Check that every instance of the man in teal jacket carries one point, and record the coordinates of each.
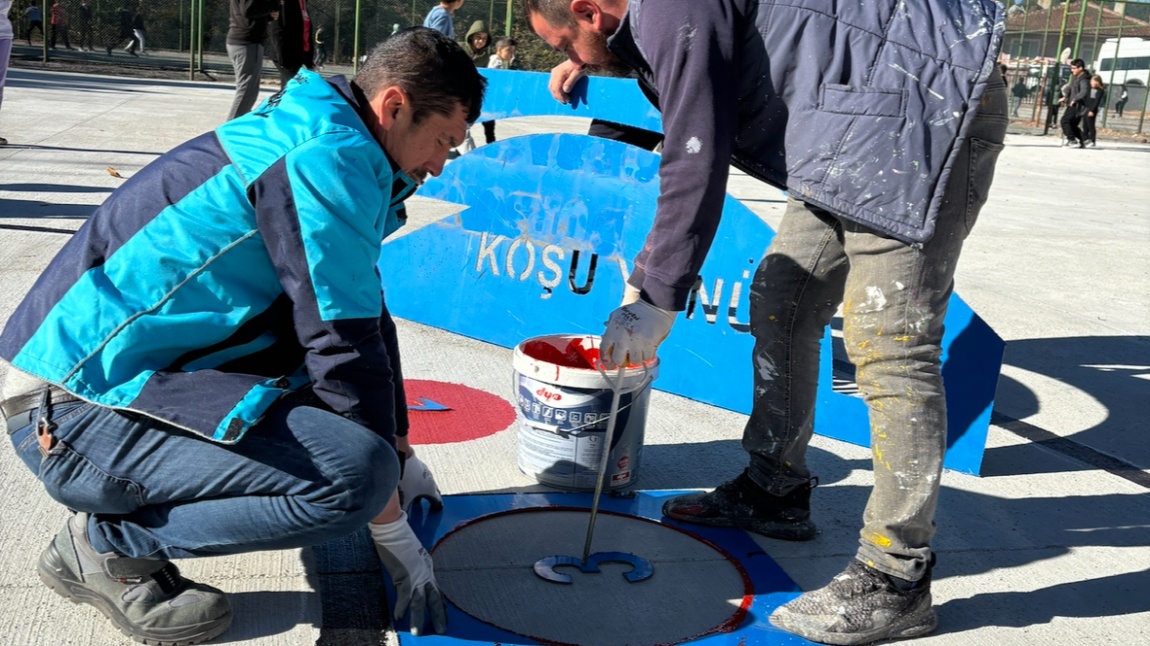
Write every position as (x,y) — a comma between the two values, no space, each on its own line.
(208,366)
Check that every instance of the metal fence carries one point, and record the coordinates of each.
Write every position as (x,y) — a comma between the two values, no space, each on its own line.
(190,34)
(1041,36)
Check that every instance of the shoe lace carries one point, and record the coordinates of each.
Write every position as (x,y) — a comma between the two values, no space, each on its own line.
(168,578)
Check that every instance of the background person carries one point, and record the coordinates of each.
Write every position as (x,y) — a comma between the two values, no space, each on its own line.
(127,31)
(139,28)
(1079,89)
(259,404)
(84,20)
(441,18)
(247,26)
(1093,104)
(888,251)
(477,44)
(291,40)
(58,21)
(35,20)
(1123,97)
(6,37)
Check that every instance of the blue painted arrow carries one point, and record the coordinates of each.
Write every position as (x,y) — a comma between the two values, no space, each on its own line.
(425,404)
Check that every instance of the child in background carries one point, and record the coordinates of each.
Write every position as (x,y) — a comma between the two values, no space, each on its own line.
(320,47)
(502,59)
(504,56)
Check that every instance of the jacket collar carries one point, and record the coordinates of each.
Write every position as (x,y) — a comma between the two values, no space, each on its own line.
(402,186)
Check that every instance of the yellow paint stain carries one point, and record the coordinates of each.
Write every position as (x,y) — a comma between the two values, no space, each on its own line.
(771,318)
(864,344)
(880,540)
(902,339)
(878,453)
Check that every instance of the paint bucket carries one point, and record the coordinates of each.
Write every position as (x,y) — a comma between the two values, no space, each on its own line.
(564,406)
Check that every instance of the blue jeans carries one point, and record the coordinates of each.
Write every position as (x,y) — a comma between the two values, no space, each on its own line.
(894,298)
(300,477)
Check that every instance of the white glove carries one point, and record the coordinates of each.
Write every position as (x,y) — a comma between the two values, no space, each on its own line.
(413,573)
(634,333)
(630,294)
(418,484)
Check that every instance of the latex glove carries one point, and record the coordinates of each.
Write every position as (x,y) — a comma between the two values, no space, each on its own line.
(412,571)
(634,333)
(630,294)
(418,484)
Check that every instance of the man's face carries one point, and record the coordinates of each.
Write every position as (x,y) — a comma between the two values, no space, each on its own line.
(420,149)
(582,44)
(1075,70)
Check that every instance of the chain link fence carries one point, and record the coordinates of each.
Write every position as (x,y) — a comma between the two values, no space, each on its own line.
(190,35)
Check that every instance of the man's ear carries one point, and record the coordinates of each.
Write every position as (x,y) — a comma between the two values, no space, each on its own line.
(386,105)
(587,12)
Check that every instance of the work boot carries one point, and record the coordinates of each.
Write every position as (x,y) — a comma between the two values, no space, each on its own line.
(146,599)
(743,504)
(860,606)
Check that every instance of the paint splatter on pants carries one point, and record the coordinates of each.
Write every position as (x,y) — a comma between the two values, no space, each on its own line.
(894,297)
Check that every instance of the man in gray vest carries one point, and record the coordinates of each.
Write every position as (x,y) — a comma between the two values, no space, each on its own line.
(883,123)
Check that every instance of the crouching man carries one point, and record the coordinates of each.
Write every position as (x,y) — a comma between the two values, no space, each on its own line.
(208,366)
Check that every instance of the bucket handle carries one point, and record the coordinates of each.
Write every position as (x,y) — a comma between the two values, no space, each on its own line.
(615,385)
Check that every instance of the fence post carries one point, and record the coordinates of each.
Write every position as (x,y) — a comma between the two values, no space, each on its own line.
(1057,69)
(355,41)
(1078,32)
(510,3)
(200,46)
(191,38)
(45,21)
(1113,66)
(1145,98)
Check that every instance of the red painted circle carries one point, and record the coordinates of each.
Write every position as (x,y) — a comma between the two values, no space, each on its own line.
(470,413)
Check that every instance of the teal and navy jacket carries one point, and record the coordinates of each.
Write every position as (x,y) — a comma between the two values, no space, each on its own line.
(238,267)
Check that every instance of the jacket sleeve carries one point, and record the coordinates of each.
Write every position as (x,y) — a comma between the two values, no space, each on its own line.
(321,211)
(691,52)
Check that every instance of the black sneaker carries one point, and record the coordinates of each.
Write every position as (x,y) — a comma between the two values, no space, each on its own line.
(146,599)
(860,606)
(745,505)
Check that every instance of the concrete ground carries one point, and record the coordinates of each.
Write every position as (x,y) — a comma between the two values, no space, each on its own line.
(1050,546)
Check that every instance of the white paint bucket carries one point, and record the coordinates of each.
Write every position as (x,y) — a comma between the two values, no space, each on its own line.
(564,406)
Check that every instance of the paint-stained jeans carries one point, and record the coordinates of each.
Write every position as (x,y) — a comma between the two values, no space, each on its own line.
(894,298)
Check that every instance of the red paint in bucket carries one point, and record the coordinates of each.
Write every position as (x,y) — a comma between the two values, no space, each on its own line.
(574,356)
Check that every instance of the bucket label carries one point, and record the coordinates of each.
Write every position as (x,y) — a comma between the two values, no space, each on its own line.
(561,433)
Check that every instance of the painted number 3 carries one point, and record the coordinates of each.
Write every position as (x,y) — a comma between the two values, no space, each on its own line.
(640,567)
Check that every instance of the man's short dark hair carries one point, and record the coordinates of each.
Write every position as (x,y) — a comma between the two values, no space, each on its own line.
(556,12)
(1078,62)
(431,68)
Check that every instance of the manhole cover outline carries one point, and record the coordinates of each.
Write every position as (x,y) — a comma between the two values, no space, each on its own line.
(730,623)
(771,584)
